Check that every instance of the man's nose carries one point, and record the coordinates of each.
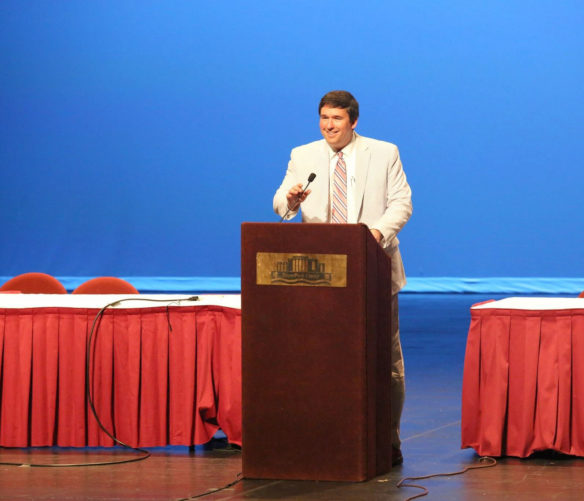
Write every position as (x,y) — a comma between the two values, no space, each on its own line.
(330,124)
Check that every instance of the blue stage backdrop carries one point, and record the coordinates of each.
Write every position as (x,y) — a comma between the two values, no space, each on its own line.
(136,136)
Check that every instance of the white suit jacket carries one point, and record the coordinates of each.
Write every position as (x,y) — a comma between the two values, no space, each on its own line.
(383,196)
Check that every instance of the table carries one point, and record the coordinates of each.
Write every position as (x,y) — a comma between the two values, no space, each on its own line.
(164,373)
(523,383)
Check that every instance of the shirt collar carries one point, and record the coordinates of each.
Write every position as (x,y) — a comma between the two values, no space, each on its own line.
(347,150)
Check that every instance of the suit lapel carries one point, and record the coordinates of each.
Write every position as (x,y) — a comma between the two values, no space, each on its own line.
(320,166)
(362,160)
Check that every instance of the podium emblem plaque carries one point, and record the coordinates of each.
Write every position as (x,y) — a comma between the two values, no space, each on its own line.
(316,270)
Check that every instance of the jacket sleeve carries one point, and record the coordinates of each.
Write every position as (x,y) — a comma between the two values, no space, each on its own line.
(398,203)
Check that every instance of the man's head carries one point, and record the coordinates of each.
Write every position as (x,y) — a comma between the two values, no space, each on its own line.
(339,112)
(341,99)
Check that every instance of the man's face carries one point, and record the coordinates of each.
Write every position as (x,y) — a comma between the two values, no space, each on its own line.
(336,127)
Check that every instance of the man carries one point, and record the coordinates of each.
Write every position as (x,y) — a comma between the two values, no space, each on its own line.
(358,180)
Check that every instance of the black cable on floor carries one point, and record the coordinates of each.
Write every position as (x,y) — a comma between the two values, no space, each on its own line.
(238,479)
(401,483)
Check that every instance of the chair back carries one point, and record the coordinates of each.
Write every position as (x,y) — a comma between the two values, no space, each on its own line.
(106,285)
(34,283)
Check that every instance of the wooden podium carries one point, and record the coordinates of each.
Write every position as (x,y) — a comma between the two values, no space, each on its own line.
(315,352)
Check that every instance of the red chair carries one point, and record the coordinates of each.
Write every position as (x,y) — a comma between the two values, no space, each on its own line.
(34,283)
(106,285)
(581,294)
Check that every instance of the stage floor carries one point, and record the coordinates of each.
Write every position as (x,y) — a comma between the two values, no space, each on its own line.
(434,331)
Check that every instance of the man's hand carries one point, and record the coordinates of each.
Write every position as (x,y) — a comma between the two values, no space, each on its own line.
(296,196)
(376,235)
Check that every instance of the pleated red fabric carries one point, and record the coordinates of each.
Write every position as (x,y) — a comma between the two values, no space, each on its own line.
(158,376)
(523,383)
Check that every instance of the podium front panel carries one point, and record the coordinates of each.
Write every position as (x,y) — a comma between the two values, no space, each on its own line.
(315,366)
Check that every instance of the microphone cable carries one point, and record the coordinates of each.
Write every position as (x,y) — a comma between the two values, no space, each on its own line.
(145,453)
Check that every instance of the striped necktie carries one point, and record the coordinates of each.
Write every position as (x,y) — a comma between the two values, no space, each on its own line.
(339,203)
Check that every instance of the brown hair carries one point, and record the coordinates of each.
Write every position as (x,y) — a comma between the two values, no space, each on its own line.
(341,99)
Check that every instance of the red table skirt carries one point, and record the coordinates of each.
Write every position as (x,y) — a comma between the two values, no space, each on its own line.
(158,376)
(523,387)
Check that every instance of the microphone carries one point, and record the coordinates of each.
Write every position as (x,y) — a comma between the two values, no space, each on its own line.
(310,179)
